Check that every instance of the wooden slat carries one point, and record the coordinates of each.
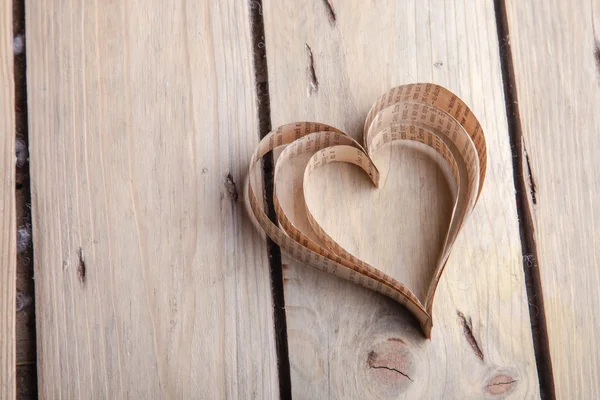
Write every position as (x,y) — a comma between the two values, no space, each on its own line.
(556,55)
(7,206)
(348,342)
(150,280)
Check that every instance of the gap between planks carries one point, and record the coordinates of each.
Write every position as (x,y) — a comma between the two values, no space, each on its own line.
(275,265)
(524,191)
(26,364)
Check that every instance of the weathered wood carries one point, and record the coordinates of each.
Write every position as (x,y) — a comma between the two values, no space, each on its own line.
(556,55)
(328,61)
(8,247)
(150,280)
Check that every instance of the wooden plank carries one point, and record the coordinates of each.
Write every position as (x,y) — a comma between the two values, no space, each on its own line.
(556,55)
(8,246)
(346,341)
(150,280)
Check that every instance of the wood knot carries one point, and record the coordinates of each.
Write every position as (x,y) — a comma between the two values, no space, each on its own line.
(391,366)
(500,384)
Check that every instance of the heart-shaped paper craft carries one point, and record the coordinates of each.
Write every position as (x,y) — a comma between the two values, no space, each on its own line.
(424,113)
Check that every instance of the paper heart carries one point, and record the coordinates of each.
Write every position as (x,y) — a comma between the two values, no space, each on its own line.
(425,113)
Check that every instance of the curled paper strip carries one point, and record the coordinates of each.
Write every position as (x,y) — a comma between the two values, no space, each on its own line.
(425,113)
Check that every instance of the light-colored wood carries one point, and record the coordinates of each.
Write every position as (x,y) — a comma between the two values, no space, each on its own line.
(417,221)
(556,54)
(150,280)
(8,247)
(349,342)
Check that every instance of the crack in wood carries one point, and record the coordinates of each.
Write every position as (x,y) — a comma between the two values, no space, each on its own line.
(81,268)
(371,358)
(468,332)
(231,188)
(330,12)
(596,42)
(314,82)
(502,383)
(396,340)
(532,186)
(391,369)
(597,55)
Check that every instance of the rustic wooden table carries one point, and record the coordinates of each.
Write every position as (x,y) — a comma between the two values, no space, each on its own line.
(150,281)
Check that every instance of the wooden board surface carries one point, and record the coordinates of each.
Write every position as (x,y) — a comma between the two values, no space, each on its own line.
(556,55)
(346,341)
(150,280)
(7,206)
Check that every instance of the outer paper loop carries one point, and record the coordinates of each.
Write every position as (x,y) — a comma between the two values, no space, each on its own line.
(425,113)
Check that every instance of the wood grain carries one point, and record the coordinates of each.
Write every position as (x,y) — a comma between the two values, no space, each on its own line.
(556,57)
(8,245)
(346,341)
(150,280)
